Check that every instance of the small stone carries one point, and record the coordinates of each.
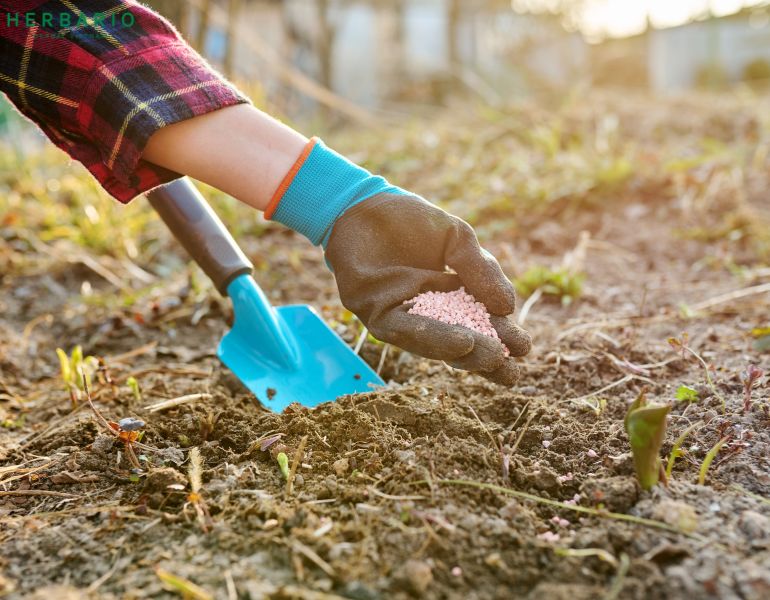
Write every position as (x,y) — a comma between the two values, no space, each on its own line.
(161,478)
(416,576)
(618,494)
(544,479)
(755,525)
(359,591)
(405,456)
(678,514)
(341,466)
(103,444)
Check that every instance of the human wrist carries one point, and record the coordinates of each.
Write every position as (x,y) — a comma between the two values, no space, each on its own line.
(319,188)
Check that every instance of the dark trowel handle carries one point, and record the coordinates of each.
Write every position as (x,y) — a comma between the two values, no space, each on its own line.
(198,228)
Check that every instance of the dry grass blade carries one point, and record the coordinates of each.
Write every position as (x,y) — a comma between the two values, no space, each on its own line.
(99,417)
(572,507)
(294,464)
(620,576)
(375,492)
(164,404)
(527,306)
(195,475)
(521,433)
(38,493)
(582,399)
(311,555)
(583,552)
(195,470)
(495,445)
(97,583)
(19,471)
(763,288)
(125,356)
(742,490)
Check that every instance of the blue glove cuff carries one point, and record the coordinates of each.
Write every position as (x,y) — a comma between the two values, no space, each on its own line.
(324,185)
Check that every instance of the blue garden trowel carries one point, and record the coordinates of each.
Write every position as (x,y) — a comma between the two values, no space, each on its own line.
(283,355)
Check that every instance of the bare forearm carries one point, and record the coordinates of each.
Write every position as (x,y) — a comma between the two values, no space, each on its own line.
(239,150)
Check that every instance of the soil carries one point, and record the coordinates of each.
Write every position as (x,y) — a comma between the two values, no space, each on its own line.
(378,507)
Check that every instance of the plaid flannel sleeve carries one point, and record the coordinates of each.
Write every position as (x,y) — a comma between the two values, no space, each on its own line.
(99,77)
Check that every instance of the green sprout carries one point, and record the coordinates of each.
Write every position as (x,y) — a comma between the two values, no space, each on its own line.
(184,587)
(676,450)
(710,456)
(74,369)
(133,385)
(681,344)
(9,423)
(684,393)
(562,283)
(283,464)
(646,427)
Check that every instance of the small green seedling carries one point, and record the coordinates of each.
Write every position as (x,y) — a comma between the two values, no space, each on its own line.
(682,345)
(9,423)
(133,385)
(74,368)
(676,450)
(684,393)
(710,456)
(646,427)
(283,464)
(750,378)
(562,283)
(186,588)
(761,337)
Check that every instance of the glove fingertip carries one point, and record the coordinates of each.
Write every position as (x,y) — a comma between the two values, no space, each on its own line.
(487,355)
(517,340)
(508,374)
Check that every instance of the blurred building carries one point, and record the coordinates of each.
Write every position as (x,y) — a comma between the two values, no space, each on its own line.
(379,51)
(710,53)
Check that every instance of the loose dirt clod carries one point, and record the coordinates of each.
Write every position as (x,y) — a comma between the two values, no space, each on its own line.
(455,308)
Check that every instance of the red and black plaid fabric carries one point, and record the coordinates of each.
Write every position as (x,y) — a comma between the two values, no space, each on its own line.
(100,77)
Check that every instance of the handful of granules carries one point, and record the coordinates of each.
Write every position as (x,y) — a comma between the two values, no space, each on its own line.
(455,308)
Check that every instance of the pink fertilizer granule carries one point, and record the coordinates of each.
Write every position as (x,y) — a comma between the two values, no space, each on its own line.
(455,308)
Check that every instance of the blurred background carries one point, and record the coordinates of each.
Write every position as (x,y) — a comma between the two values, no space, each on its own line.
(523,117)
(345,60)
(403,54)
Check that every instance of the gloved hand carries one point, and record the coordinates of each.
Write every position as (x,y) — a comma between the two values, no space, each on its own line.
(385,247)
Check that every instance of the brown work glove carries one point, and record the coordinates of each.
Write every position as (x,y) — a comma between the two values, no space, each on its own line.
(391,247)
